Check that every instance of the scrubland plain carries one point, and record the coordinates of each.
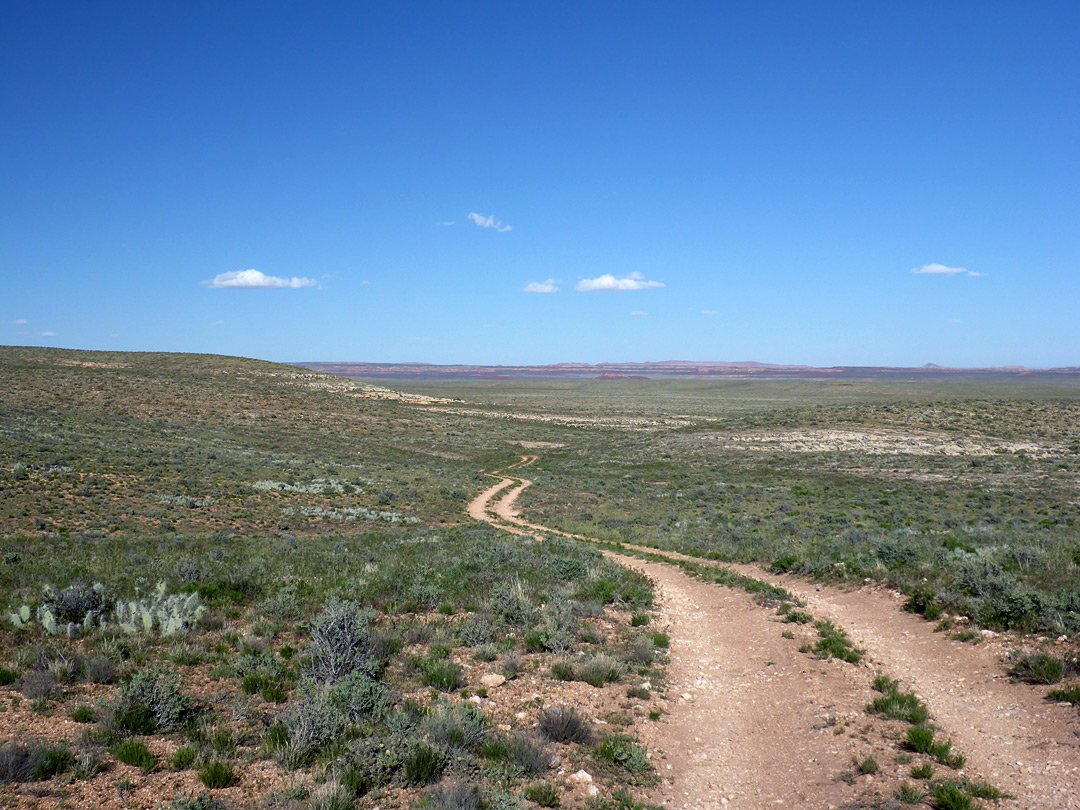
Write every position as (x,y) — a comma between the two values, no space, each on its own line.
(236,583)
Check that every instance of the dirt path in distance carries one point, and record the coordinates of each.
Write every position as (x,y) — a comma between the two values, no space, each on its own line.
(747,722)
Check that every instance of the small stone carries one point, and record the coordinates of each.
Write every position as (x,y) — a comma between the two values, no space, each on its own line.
(475,699)
(492,680)
(594,790)
(582,776)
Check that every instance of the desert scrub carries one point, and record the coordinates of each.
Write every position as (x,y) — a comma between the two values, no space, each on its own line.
(312,720)
(458,728)
(151,702)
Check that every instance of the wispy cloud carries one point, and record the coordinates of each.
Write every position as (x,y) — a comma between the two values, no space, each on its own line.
(19,322)
(218,323)
(257,280)
(445,224)
(549,286)
(634,281)
(488,222)
(638,312)
(709,312)
(48,334)
(944,270)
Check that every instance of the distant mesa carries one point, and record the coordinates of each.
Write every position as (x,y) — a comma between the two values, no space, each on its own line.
(665,369)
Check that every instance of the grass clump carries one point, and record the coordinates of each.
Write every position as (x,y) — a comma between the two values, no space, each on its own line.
(1067,694)
(134,752)
(217,775)
(923,771)
(83,714)
(909,794)
(1038,668)
(868,766)
(543,793)
(424,764)
(600,669)
(834,643)
(897,705)
(563,724)
(950,796)
(33,761)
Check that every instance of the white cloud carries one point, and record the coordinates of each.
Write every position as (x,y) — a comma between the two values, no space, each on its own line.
(19,322)
(257,280)
(975,274)
(709,312)
(955,320)
(549,286)
(445,224)
(634,281)
(638,312)
(939,270)
(48,334)
(488,222)
(218,323)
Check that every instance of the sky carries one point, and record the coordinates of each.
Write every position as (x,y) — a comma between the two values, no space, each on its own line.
(827,183)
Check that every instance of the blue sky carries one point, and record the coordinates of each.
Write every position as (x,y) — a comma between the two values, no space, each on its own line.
(699,181)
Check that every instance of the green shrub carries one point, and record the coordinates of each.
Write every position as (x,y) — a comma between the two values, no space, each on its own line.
(909,794)
(423,764)
(34,760)
(798,617)
(868,766)
(184,758)
(217,775)
(924,771)
(520,751)
(134,752)
(920,739)
(8,676)
(639,620)
(361,697)
(543,793)
(1067,694)
(440,674)
(151,702)
(84,714)
(897,705)
(600,669)
(834,643)
(460,727)
(1038,668)
(950,796)
(562,670)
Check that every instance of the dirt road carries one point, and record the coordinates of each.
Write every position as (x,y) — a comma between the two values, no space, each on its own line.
(754,723)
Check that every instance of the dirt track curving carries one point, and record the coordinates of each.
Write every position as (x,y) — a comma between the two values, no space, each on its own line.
(753,723)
